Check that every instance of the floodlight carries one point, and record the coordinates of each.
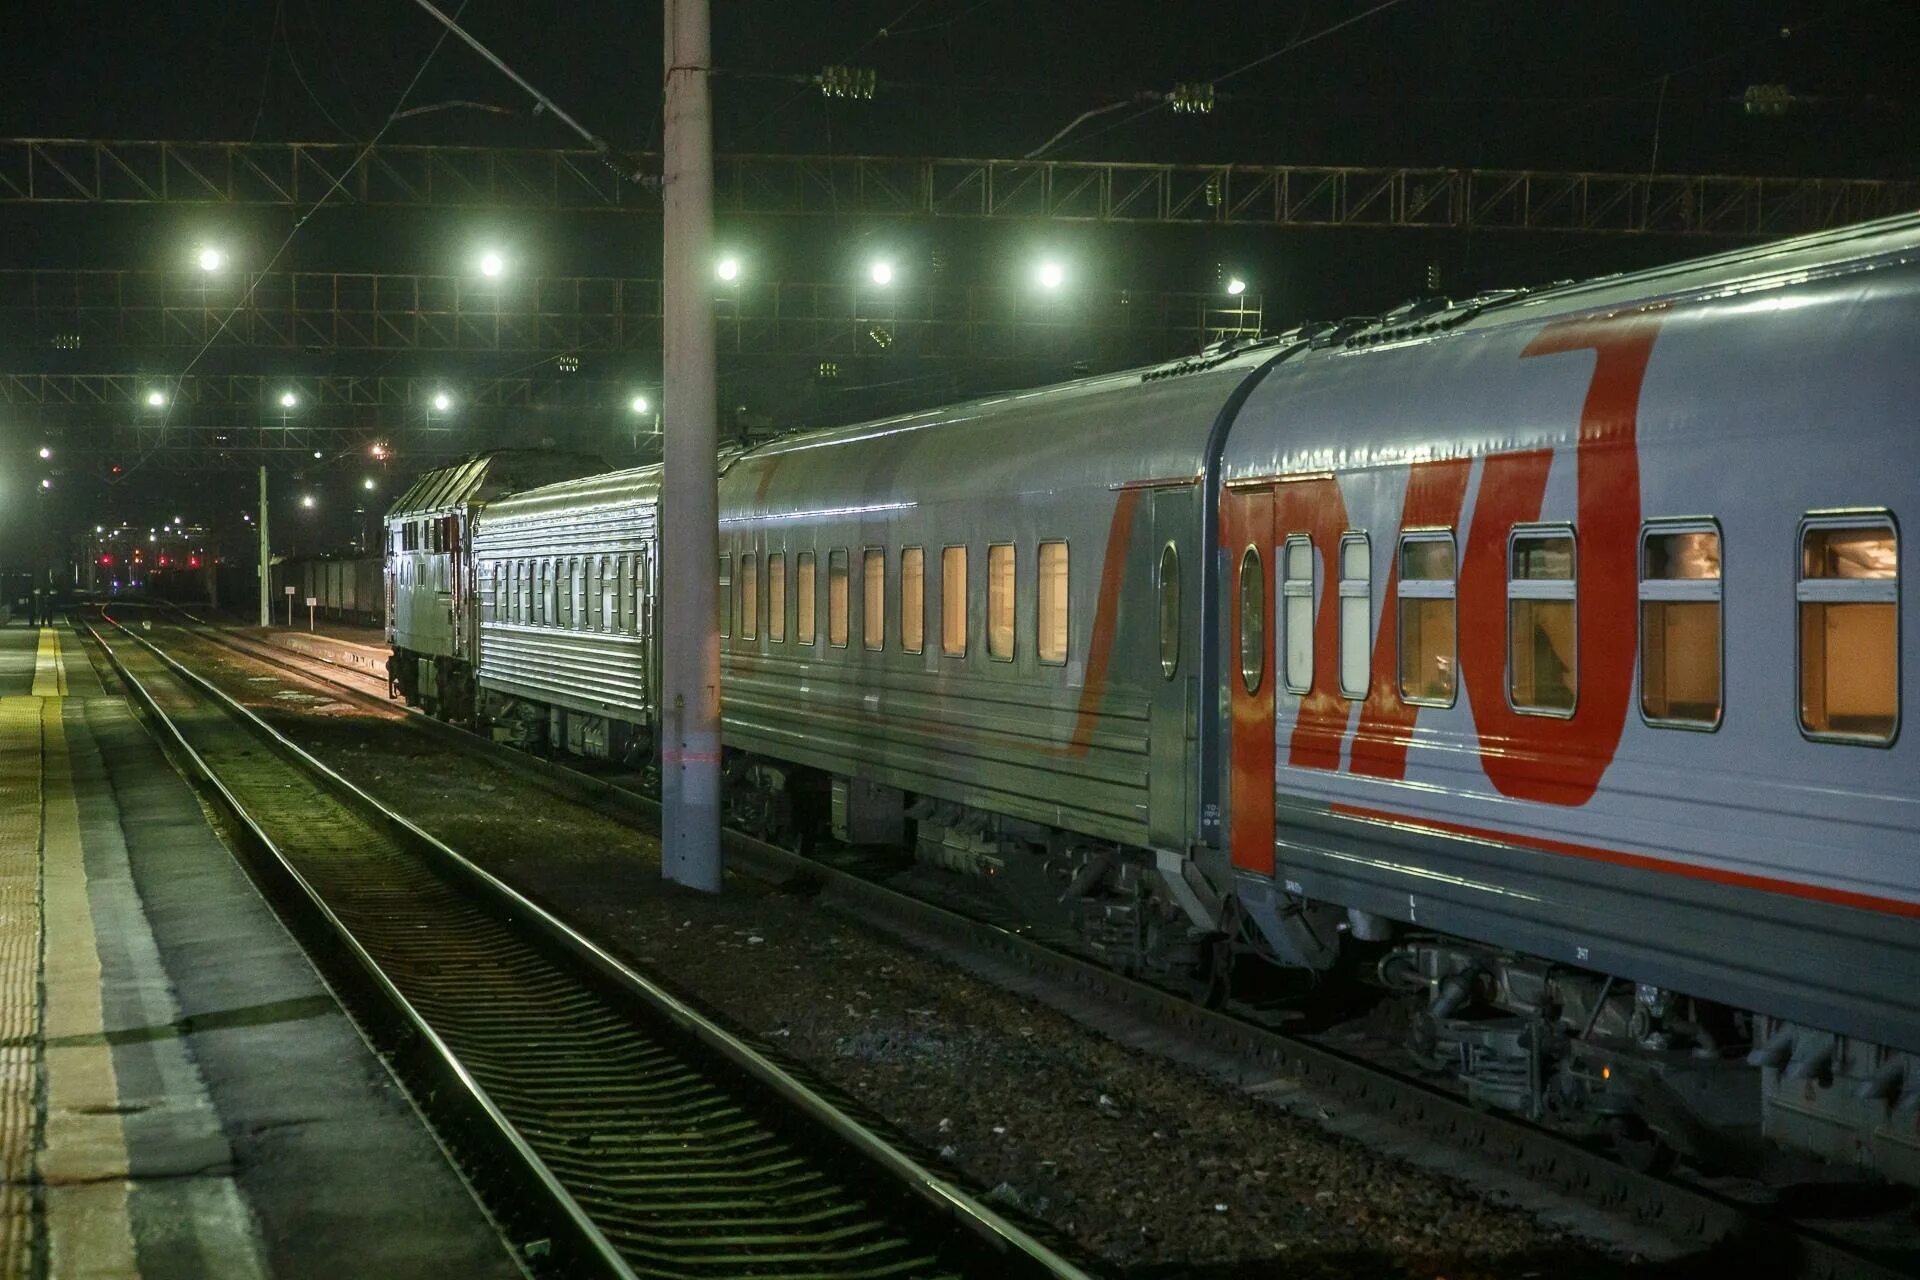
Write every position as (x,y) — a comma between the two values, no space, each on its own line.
(156,399)
(442,401)
(45,452)
(1236,286)
(640,404)
(881,272)
(1051,275)
(288,399)
(46,484)
(367,483)
(211,259)
(492,264)
(729,269)
(306,500)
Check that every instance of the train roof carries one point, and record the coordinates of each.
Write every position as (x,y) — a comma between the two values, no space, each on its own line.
(1848,248)
(586,494)
(485,475)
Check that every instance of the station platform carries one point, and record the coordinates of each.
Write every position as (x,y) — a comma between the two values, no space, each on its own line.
(180,1095)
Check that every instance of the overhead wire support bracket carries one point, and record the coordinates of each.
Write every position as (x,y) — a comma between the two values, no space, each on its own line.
(542,101)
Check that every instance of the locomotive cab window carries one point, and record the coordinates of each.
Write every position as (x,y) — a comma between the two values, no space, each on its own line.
(1000,587)
(1253,620)
(1680,626)
(837,597)
(1296,623)
(1428,672)
(1543,675)
(749,596)
(805,598)
(1849,601)
(953,602)
(913,599)
(1356,614)
(1169,590)
(1053,602)
(776,596)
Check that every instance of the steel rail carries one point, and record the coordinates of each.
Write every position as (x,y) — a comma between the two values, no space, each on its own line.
(976,1231)
(1683,1211)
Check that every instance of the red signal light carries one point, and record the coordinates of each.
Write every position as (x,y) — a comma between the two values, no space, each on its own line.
(106,560)
(193,562)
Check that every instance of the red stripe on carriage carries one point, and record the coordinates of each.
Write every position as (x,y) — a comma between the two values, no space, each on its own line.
(1638,861)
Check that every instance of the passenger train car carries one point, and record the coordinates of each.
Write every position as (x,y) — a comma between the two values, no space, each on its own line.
(1540,656)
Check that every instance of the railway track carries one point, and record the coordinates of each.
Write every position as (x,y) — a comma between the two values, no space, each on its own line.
(1222,1041)
(613,1129)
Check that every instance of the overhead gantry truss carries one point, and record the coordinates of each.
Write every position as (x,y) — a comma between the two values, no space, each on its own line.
(317,312)
(301,174)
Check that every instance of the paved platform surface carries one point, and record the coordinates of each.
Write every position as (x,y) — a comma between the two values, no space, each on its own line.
(180,1096)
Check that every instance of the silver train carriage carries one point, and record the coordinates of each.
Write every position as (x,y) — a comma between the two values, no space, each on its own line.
(1542,653)
(431,618)
(566,599)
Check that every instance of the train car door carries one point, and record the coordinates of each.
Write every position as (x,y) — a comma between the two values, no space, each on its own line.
(1172,667)
(1246,542)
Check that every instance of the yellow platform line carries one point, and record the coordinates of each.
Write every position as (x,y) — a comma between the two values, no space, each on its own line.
(20,803)
(83,1165)
(49,667)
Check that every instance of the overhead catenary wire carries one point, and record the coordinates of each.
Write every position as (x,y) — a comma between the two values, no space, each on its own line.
(547,104)
(1162,100)
(246,298)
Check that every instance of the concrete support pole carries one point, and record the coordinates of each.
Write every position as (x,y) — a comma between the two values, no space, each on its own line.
(266,558)
(689,501)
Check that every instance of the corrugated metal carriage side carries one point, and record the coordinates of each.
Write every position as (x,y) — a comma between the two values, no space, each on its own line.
(565,592)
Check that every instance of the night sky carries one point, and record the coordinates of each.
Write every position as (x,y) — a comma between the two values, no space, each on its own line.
(1490,83)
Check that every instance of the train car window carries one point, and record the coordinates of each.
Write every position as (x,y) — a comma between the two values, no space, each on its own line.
(609,593)
(1052,619)
(1849,599)
(1543,671)
(724,597)
(1296,622)
(1000,588)
(595,575)
(776,596)
(749,596)
(804,598)
(873,598)
(1169,592)
(526,592)
(1429,675)
(1680,628)
(913,600)
(953,602)
(543,605)
(837,597)
(1356,614)
(1253,620)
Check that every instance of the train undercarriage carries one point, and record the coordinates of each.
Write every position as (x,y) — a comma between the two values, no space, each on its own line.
(1655,1074)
